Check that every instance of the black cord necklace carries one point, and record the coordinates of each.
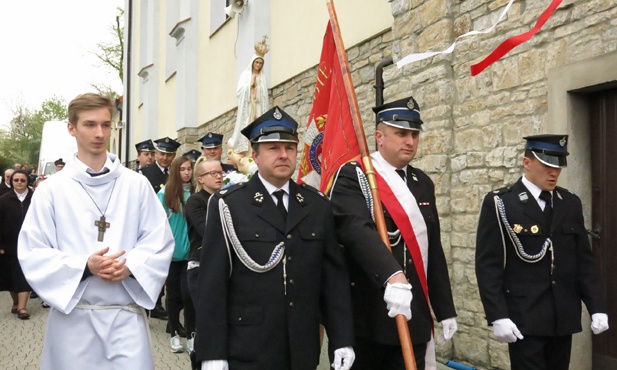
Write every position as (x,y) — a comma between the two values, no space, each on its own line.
(100,223)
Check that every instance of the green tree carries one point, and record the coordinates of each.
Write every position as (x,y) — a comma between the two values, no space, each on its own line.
(111,54)
(22,141)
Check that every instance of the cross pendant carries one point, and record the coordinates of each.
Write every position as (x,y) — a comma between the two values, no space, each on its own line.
(102,225)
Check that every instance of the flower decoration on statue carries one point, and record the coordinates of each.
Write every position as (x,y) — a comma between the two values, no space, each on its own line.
(234,178)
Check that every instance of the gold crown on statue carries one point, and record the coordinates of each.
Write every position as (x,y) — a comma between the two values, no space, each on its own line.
(262,48)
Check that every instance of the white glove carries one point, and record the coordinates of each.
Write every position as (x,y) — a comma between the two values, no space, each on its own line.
(398,299)
(449,328)
(343,358)
(214,365)
(599,323)
(506,331)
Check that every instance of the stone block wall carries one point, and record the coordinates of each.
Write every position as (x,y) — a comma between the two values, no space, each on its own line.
(474,125)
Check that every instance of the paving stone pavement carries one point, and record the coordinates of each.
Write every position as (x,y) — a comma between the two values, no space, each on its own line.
(21,341)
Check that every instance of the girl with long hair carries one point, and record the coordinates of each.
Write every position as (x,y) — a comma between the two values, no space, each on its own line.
(173,196)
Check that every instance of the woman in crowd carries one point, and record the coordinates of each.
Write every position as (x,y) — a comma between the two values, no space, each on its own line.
(173,196)
(208,176)
(13,207)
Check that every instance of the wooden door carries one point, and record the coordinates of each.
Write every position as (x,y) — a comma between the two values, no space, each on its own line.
(603,120)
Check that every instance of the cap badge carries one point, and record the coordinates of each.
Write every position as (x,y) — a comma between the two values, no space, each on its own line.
(410,104)
(300,198)
(562,142)
(277,114)
(534,229)
(210,135)
(166,140)
(258,197)
(395,117)
(517,228)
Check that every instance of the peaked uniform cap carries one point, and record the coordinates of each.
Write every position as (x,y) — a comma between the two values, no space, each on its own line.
(166,145)
(273,126)
(145,146)
(549,149)
(193,155)
(403,113)
(211,140)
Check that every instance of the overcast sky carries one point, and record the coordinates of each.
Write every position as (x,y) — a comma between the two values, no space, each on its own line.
(47,49)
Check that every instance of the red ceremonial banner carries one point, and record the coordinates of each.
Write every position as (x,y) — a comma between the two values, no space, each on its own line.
(330,140)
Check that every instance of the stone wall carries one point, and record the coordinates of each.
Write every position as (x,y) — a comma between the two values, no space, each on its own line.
(473,125)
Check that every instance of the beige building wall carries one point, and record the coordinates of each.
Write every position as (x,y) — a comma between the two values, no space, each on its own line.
(298,28)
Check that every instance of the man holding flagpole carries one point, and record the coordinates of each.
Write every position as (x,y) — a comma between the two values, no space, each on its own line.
(383,282)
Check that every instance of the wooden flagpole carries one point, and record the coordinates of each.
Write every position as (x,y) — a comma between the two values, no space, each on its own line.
(401,321)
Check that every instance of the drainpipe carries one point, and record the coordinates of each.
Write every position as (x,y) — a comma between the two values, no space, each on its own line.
(128,77)
(379,86)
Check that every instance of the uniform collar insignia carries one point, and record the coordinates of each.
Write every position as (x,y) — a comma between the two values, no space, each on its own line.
(558,194)
(299,198)
(413,176)
(258,198)
(523,197)
(223,191)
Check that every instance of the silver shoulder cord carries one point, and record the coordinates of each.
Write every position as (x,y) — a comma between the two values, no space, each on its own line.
(366,191)
(230,236)
(500,211)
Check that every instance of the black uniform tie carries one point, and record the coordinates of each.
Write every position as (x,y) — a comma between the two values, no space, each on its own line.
(547,197)
(280,205)
(165,171)
(401,173)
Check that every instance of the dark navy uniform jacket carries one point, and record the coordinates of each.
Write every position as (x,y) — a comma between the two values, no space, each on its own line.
(539,302)
(371,264)
(247,318)
(156,177)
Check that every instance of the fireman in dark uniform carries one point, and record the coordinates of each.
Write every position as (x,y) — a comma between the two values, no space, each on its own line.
(534,264)
(212,146)
(145,154)
(383,281)
(271,268)
(158,172)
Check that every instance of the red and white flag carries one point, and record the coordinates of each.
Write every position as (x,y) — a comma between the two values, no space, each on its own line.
(330,139)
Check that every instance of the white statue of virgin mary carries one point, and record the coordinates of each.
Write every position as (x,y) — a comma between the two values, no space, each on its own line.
(252,94)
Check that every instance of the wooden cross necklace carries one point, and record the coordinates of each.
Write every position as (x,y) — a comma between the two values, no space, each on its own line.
(101,223)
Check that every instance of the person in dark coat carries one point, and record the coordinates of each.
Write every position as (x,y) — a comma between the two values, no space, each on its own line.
(212,146)
(208,177)
(272,270)
(534,263)
(158,173)
(145,154)
(6,184)
(383,281)
(13,208)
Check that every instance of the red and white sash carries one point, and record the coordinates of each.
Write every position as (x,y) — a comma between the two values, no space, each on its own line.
(403,207)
